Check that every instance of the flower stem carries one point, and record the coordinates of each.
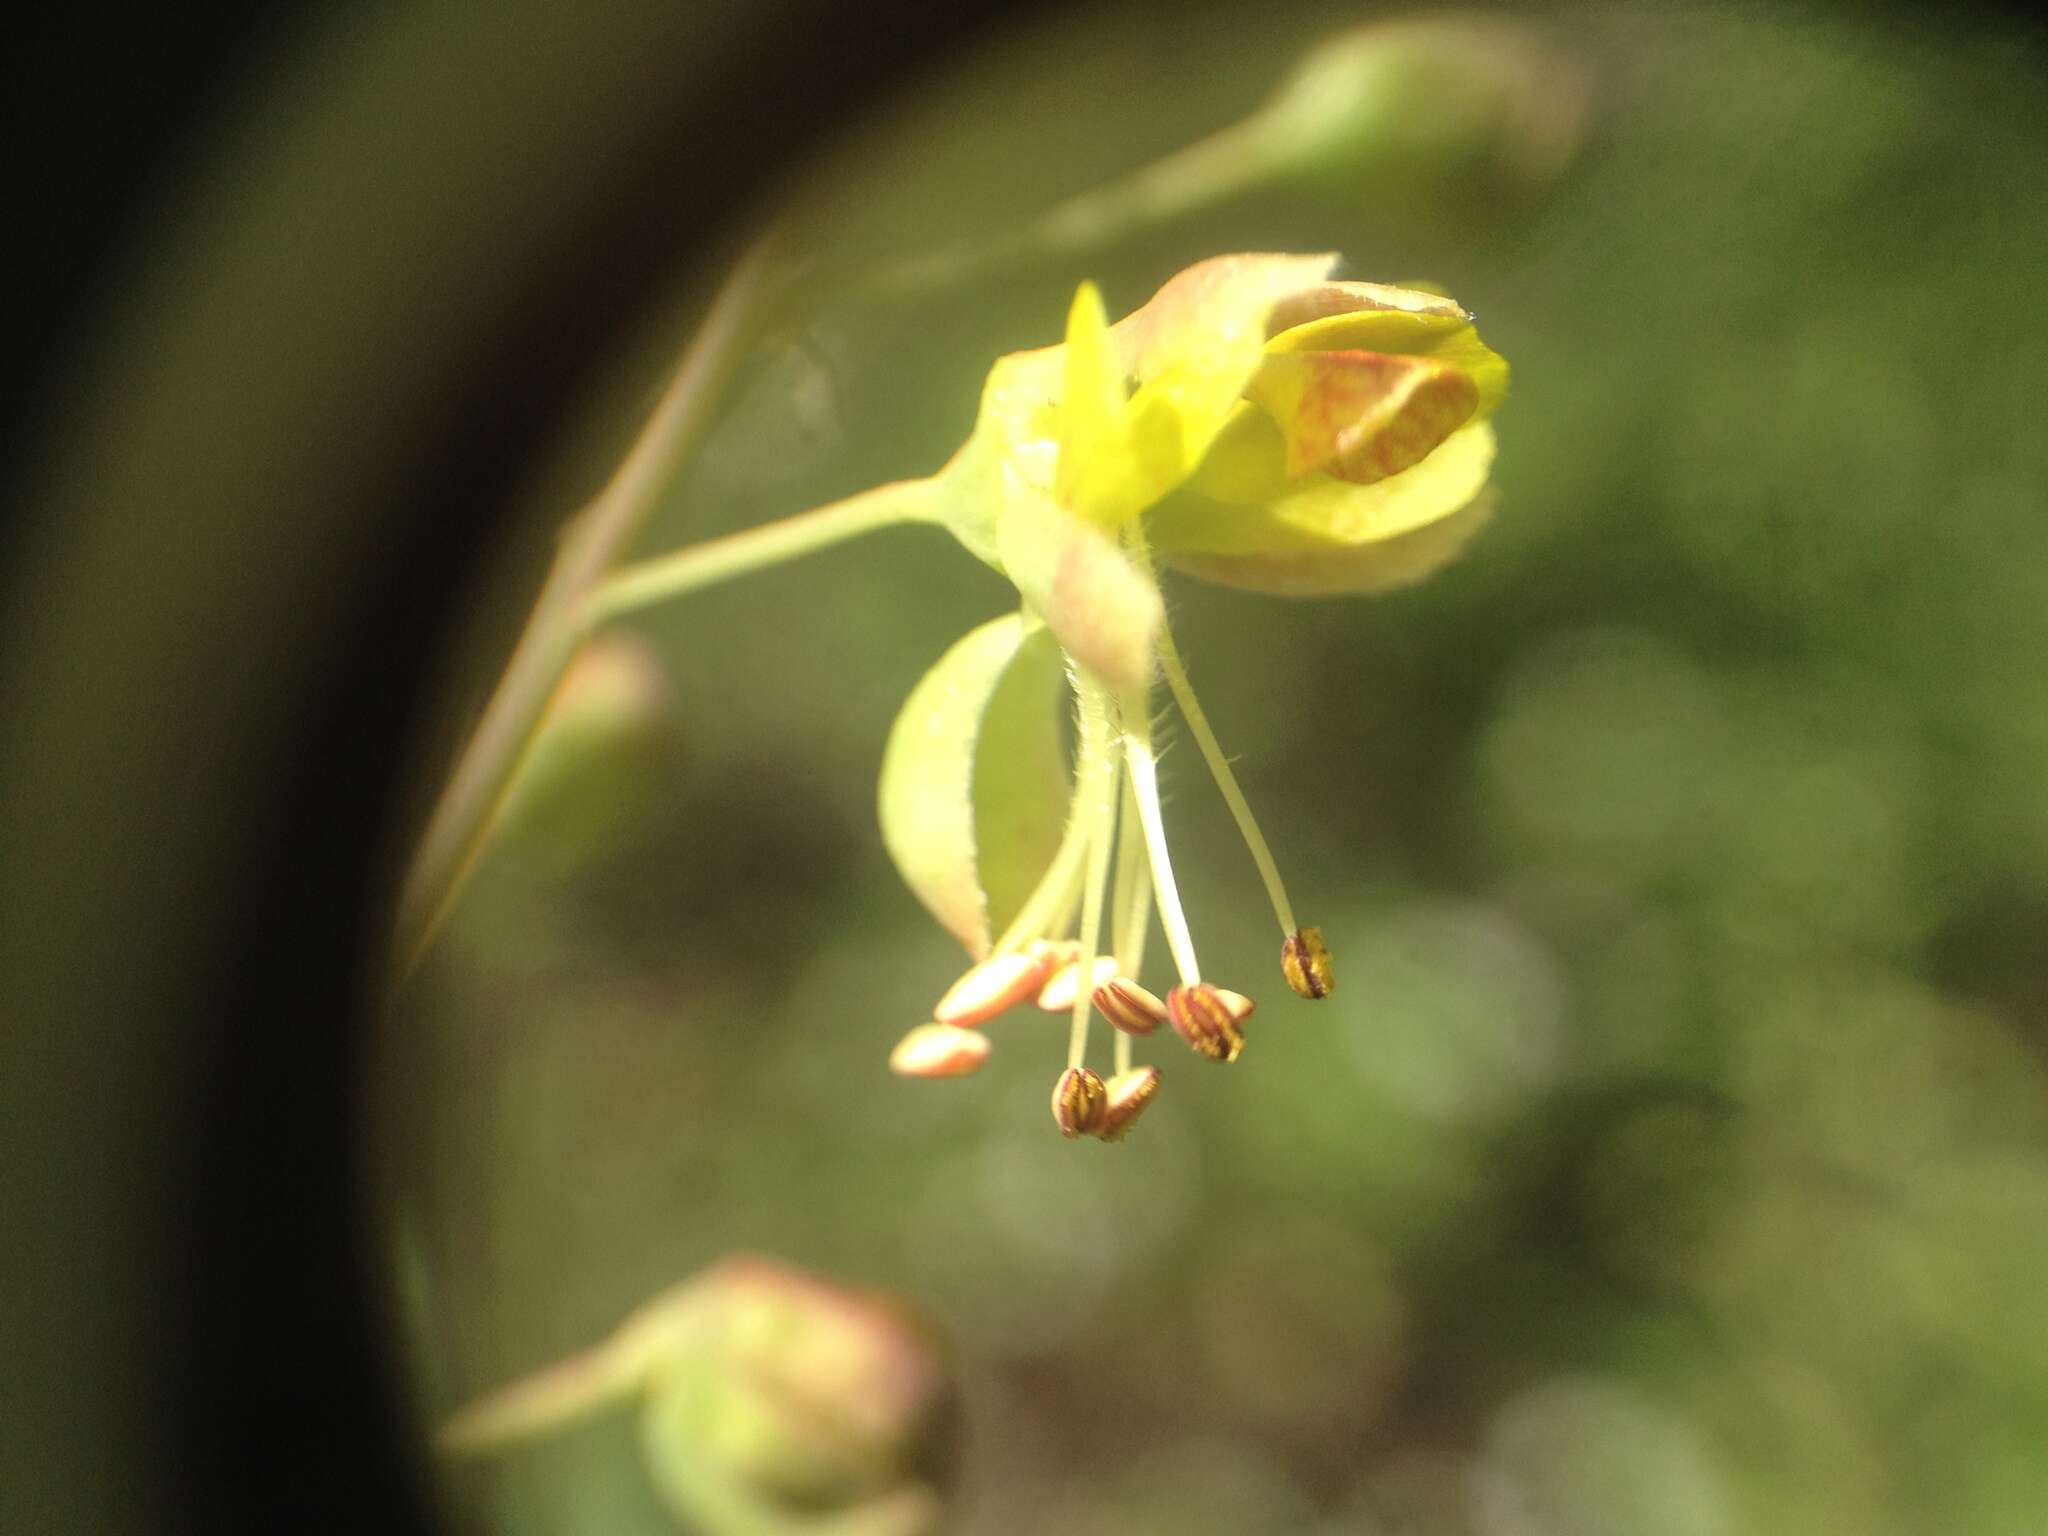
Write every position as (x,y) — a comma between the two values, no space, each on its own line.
(591,544)
(702,565)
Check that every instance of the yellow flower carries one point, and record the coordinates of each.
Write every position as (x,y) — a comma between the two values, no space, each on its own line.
(1256,424)
(1265,426)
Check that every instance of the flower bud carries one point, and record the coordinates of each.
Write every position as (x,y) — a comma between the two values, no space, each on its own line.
(1208,1019)
(997,983)
(803,1404)
(939,1050)
(1305,962)
(1079,1102)
(1129,1093)
(1129,1006)
(1059,993)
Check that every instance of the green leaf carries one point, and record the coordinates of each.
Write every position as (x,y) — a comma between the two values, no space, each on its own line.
(974,787)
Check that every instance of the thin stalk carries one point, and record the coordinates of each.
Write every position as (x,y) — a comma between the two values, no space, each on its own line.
(1144,770)
(590,546)
(1055,892)
(1130,905)
(1212,753)
(1100,790)
(702,565)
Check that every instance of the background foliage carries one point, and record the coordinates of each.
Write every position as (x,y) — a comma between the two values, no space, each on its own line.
(1674,1155)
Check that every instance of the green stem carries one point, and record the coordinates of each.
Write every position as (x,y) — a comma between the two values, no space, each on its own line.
(591,544)
(703,565)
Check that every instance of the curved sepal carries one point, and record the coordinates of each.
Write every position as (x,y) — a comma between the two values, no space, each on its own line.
(974,779)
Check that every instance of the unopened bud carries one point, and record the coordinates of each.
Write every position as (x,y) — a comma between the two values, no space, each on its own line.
(1079,1102)
(1305,962)
(1058,994)
(1129,1093)
(939,1050)
(1208,1019)
(997,983)
(1129,1006)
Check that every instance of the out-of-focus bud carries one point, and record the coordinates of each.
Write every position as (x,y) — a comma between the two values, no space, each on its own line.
(1305,962)
(1209,1019)
(939,1050)
(1403,119)
(1129,1006)
(1078,1102)
(605,748)
(1058,994)
(1441,105)
(774,1404)
(1000,982)
(1129,1093)
(806,1399)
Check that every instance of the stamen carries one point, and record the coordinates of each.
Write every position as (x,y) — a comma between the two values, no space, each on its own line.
(1057,888)
(1219,768)
(1305,962)
(1100,787)
(1127,1095)
(1209,1020)
(998,983)
(939,1050)
(1129,1006)
(1057,995)
(1131,915)
(1138,757)
(1079,1101)
(1212,752)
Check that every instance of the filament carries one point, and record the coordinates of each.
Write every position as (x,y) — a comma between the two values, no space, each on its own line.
(1212,753)
(1099,790)
(1137,734)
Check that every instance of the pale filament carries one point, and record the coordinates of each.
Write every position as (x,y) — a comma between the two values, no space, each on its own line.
(1212,752)
(1098,791)
(1137,734)
(1130,905)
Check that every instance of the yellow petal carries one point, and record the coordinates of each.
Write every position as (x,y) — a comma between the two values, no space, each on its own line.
(1193,348)
(1419,325)
(1321,514)
(1362,416)
(1095,478)
(1375,567)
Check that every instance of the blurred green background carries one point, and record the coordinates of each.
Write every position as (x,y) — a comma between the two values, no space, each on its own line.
(1673,1156)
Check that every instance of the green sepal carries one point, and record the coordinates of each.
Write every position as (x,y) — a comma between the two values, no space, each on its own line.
(974,779)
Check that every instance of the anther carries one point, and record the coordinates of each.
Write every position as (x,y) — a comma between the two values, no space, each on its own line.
(1059,992)
(1305,962)
(1079,1102)
(999,982)
(1129,1006)
(1129,1093)
(939,1050)
(1208,1019)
